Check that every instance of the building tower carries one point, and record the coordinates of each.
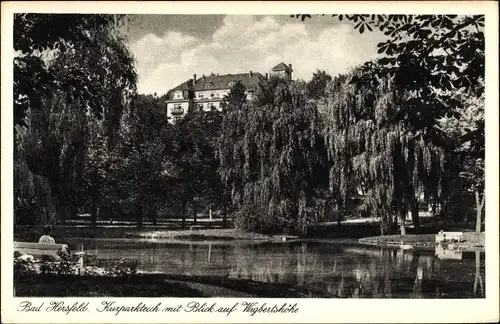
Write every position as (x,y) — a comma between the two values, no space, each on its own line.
(283,71)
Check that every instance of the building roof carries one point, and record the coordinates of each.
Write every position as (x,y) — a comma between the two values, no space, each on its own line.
(281,67)
(222,81)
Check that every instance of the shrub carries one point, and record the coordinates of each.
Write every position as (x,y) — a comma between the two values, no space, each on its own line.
(67,264)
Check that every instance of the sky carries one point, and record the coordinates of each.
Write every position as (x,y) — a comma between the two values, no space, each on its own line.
(169,49)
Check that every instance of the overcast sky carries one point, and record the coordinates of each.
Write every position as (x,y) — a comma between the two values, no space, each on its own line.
(169,49)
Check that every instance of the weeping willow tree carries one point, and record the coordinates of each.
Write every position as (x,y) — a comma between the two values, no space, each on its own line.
(273,160)
(377,153)
(32,193)
(76,80)
(49,159)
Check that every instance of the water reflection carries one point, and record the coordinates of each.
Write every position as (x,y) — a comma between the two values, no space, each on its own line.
(344,271)
(478,279)
(448,252)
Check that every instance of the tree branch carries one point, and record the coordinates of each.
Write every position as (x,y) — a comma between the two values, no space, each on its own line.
(448,34)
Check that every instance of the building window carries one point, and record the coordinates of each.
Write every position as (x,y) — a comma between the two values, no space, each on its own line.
(209,85)
(212,95)
(231,84)
(200,95)
(177,110)
(212,107)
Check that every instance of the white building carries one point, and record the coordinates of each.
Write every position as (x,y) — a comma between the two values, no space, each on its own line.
(208,91)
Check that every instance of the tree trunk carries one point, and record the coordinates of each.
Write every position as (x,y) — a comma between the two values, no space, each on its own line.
(94,202)
(153,217)
(434,211)
(93,214)
(402,218)
(138,217)
(402,228)
(383,230)
(61,214)
(444,213)
(73,211)
(414,215)
(184,204)
(195,220)
(224,214)
(51,216)
(479,211)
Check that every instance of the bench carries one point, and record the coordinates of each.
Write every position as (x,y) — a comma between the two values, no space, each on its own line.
(449,236)
(37,249)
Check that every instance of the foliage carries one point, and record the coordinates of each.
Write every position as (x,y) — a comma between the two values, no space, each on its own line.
(32,196)
(272,158)
(124,267)
(465,134)
(137,178)
(426,59)
(67,264)
(79,74)
(41,36)
(426,54)
(194,163)
(236,97)
(316,87)
(265,94)
(373,153)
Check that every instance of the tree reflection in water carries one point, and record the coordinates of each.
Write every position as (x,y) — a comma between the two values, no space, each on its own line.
(356,272)
(338,270)
(478,279)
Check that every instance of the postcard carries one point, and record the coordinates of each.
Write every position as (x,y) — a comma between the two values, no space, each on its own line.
(237,162)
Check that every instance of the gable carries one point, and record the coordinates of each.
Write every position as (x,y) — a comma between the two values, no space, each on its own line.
(281,67)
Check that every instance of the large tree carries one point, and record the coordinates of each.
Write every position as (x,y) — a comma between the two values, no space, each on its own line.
(236,98)
(465,133)
(138,181)
(316,87)
(79,72)
(387,159)
(194,163)
(40,37)
(428,58)
(272,157)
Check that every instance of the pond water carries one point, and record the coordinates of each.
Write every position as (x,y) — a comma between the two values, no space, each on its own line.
(337,269)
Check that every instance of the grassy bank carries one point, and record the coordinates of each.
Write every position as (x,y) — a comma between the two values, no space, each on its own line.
(348,229)
(61,232)
(324,230)
(210,234)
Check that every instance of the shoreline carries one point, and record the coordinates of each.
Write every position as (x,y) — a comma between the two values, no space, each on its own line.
(472,241)
(365,233)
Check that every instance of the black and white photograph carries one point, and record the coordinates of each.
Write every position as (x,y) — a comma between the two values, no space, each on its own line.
(332,155)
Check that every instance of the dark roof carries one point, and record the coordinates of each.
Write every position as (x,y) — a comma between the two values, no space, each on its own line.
(222,81)
(281,67)
(182,86)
